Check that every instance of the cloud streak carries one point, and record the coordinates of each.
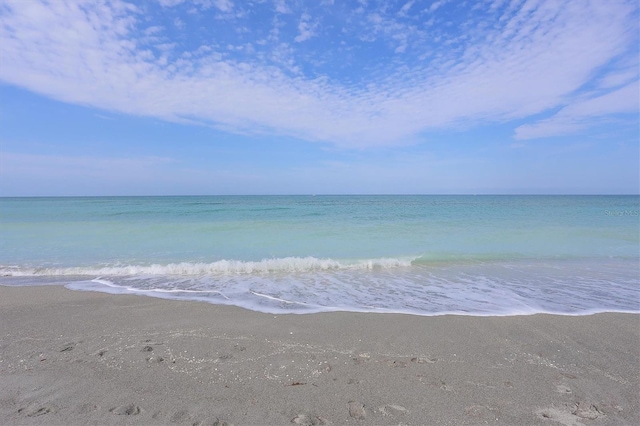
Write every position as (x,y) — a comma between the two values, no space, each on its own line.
(533,58)
(581,114)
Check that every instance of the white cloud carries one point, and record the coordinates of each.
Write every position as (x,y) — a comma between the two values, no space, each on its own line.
(536,59)
(223,5)
(436,5)
(306,28)
(617,79)
(406,7)
(281,6)
(581,114)
(170,3)
(151,31)
(623,100)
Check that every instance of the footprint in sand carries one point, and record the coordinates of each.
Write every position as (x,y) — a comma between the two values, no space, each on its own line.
(569,375)
(308,420)
(87,408)
(126,410)
(68,347)
(40,411)
(481,412)
(562,417)
(180,417)
(392,410)
(356,410)
(208,422)
(586,411)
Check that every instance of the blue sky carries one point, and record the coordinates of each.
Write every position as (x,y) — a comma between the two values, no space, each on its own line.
(298,97)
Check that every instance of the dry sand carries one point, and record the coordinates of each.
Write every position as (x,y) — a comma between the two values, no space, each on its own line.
(88,358)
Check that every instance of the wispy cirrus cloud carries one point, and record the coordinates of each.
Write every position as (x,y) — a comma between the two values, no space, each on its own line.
(582,113)
(512,61)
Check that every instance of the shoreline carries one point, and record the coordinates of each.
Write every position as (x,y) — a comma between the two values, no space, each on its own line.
(64,283)
(78,357)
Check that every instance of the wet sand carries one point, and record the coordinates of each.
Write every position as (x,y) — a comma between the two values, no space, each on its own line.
(88,358)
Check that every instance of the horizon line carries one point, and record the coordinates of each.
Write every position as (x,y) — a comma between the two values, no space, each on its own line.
(322,195)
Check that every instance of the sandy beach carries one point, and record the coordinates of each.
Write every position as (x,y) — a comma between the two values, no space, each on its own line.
(88,358)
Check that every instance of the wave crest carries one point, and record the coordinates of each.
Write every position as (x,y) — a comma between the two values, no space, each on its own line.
(265,266)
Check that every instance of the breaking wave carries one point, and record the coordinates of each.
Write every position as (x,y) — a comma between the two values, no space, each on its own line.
(221,267)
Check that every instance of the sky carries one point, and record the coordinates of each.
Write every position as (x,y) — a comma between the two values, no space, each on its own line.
(198,97)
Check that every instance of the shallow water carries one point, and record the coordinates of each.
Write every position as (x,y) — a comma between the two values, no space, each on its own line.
(428,255)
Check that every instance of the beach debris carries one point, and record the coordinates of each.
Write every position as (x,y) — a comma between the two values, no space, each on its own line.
(359,360)
(147,349)
(422,360)
(356,410)
(296,384)
(397,363)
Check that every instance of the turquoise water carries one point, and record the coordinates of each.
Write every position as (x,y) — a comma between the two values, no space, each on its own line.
(429,255)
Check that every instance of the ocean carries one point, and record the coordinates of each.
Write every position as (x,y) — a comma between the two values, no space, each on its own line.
(423,254)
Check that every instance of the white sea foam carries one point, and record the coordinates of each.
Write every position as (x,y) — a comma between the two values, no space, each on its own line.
(492,289)
(265,266)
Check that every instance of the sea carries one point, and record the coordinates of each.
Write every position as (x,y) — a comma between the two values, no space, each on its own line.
(485,255)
